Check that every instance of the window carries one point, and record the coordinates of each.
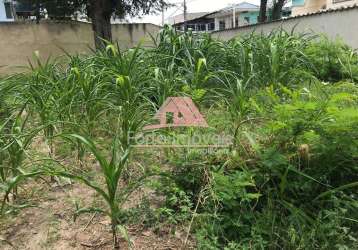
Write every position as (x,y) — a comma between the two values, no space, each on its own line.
(191,26)
(170,117)
(8,11)
(247,19)
(211,26)
(201,27)
(221,25)
(298,3)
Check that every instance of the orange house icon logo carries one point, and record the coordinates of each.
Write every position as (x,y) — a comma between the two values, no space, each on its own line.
(178,112)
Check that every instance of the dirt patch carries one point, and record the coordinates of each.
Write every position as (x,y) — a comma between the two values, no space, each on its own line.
(51,226)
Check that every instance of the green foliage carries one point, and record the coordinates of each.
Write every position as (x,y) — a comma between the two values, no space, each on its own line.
(300,186)
(332,60)
(112,171)
(288,181)
(262,60)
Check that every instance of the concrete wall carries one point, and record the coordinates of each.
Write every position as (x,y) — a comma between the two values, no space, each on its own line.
(19,40)
(335,24)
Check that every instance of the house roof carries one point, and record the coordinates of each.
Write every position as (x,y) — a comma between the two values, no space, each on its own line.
(243,6)
(240,7)
(190,16)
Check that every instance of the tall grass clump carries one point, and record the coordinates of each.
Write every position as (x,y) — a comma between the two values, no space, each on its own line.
(16,136)
(276,58)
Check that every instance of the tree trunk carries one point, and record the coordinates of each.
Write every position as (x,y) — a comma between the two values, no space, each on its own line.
(101,12)
(263,11)
(277,9)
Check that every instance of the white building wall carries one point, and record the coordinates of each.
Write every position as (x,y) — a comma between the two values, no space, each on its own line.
(3,17)
(228,16)
(228,19)
(309,6)
(332,4)
(2,11)
(216,23)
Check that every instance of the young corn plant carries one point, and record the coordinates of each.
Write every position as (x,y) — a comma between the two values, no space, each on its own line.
(38,92)
(15,138)
(235,94)
(113,171)
(9,185)
(85,103)
(131,111)
(4,171)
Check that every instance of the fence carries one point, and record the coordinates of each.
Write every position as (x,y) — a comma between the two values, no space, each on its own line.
(19,40)
(339,23)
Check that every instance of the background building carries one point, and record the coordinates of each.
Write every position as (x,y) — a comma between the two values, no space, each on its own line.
(202,22)
(190,16)
(302,7)
(230,17)
(7,12)
(236,15)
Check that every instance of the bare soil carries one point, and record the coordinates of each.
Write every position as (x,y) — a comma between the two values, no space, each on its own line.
(52,226)
(50,223)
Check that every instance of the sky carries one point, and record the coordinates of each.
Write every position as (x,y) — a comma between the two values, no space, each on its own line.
(193,6)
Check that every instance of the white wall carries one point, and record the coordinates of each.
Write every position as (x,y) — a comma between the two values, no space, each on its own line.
(331,5)
(3,13)
(227,19)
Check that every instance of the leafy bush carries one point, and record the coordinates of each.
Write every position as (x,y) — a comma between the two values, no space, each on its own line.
(300,185)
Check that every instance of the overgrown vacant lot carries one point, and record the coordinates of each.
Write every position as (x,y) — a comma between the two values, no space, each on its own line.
(72,178)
